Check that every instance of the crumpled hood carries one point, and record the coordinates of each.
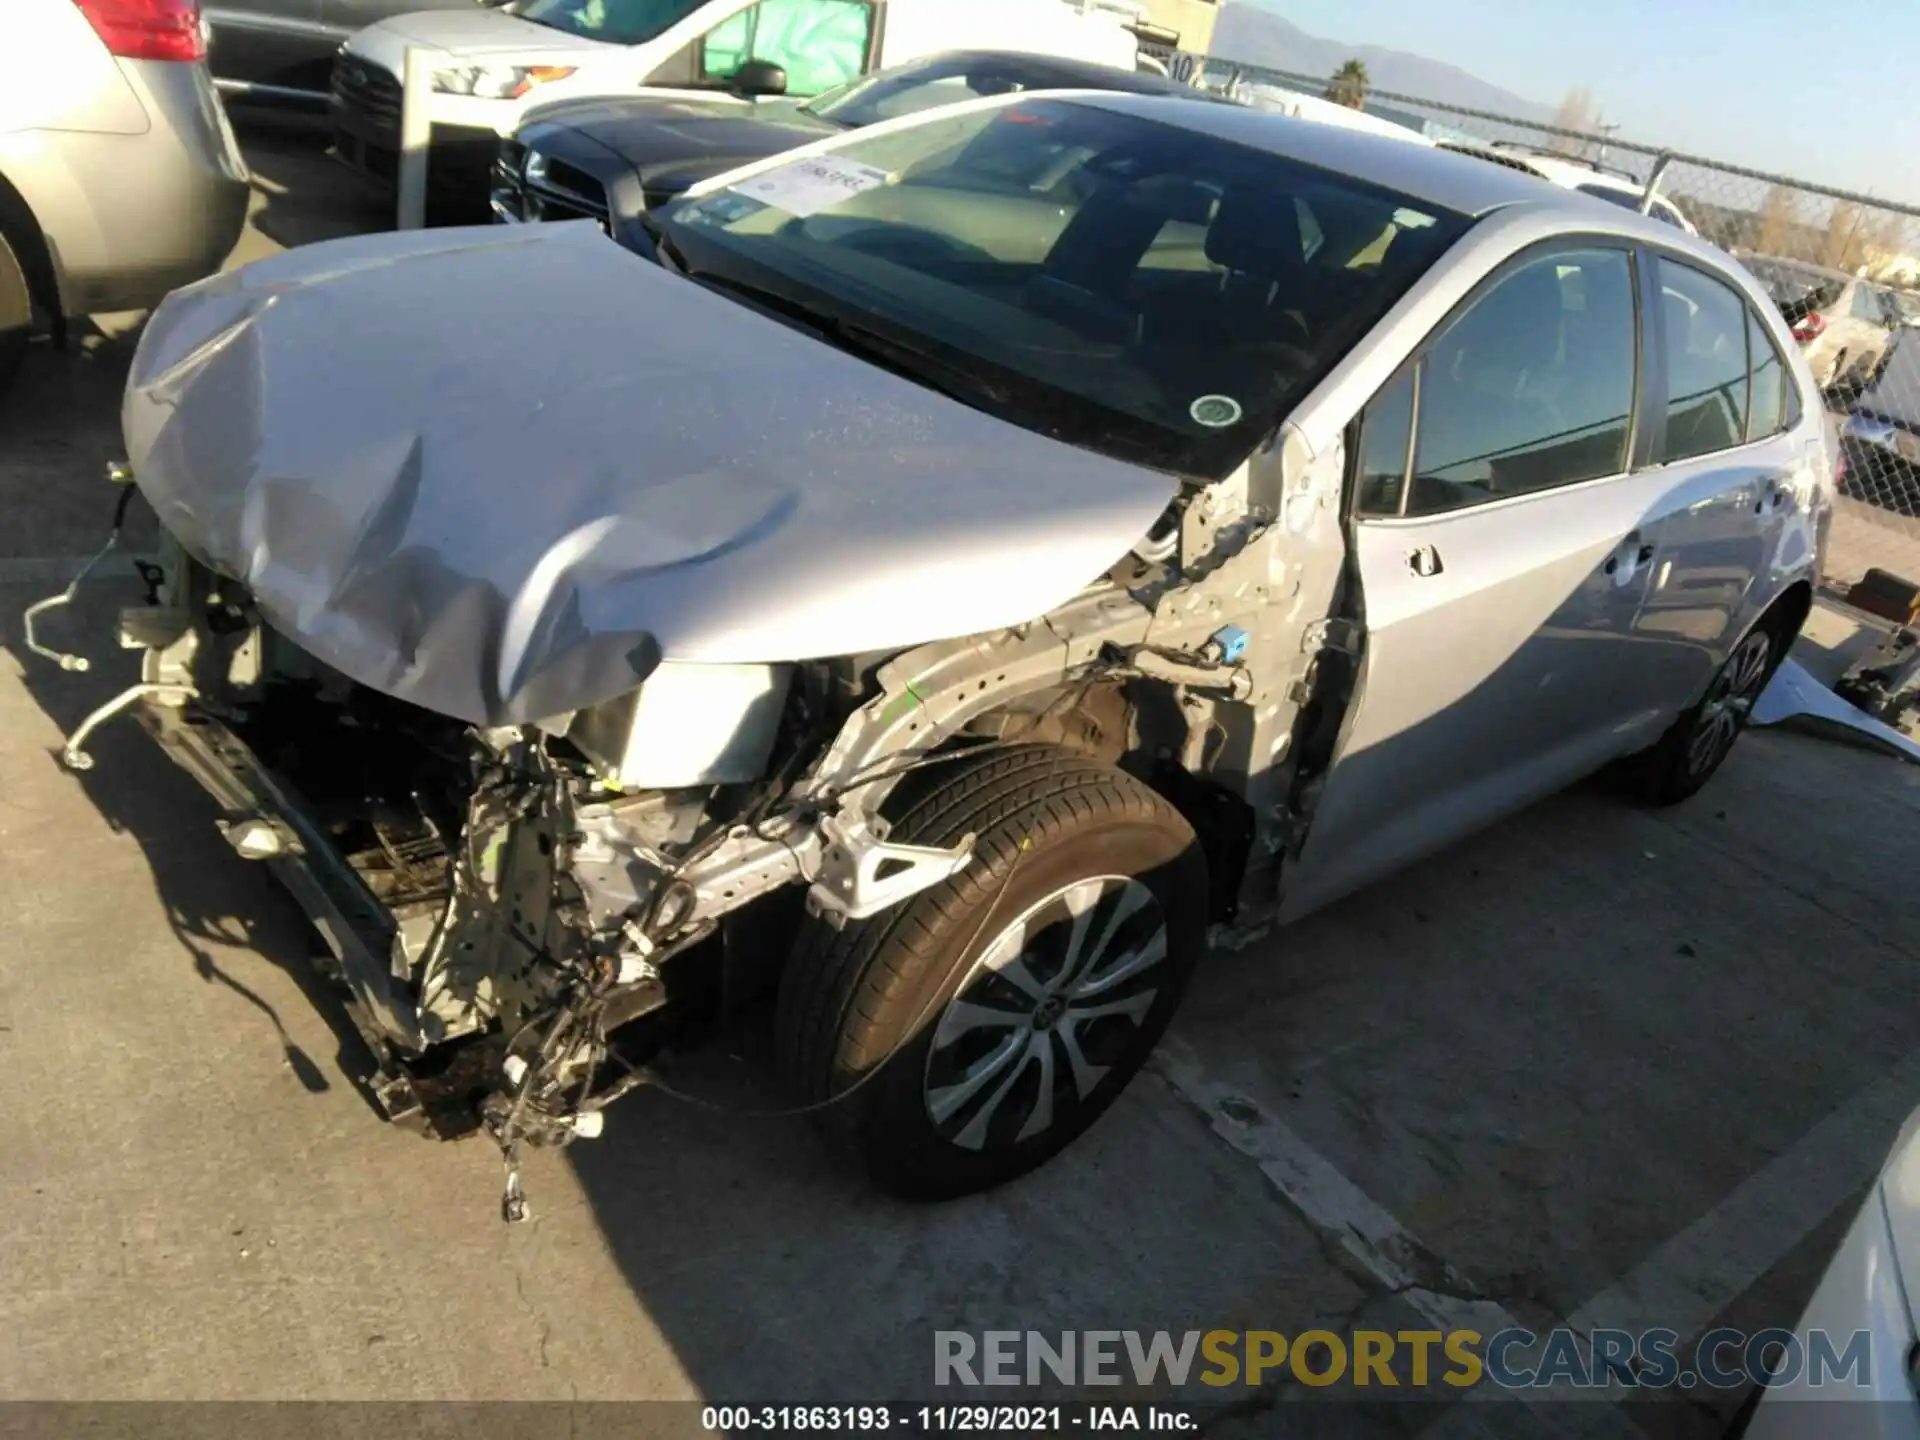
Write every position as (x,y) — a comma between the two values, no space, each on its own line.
(502,472)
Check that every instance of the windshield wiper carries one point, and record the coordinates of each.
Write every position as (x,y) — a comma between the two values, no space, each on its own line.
(919,364)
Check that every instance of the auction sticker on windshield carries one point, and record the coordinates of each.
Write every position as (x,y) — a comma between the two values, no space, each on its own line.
(805,186)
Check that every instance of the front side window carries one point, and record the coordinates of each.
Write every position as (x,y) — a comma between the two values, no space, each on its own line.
(1116,281)
(1531,387)
(1386,429)
(819,43)
(1706,352)
(618,22)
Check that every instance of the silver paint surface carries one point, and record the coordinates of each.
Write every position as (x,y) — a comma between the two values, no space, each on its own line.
(503,472)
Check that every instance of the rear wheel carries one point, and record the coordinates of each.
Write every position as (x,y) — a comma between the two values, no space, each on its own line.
(16,311)
(973,1031)
(1698,743)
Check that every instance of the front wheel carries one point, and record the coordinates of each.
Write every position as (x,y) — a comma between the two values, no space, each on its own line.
(973,1031)
(1698,743)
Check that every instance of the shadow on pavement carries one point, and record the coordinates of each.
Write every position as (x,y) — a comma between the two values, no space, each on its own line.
(210,906)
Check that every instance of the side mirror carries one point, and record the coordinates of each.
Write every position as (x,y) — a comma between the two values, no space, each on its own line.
(760,77)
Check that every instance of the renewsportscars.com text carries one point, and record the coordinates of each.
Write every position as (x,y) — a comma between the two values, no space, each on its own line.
(1514,1359)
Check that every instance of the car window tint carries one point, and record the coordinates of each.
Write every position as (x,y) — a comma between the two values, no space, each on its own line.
(1769,408)
(1866,305)
(819,43)
(1532,387)
(1706,350)
(1385,430)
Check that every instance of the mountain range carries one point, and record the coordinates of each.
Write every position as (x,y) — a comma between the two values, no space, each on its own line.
(1250,33)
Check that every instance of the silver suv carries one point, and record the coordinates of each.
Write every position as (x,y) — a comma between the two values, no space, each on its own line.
(119,175)
(986,552)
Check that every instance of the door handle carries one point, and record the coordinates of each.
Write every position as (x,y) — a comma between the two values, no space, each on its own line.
(1424,561)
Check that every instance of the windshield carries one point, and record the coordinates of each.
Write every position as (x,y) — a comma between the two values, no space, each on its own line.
(1124,284)
(618,22)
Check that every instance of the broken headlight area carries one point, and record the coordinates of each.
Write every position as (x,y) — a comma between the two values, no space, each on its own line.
(517,915)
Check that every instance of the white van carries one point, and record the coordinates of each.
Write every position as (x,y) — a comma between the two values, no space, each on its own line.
(491,65)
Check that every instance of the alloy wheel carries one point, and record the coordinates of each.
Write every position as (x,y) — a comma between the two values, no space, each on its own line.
(1050,1007)
(1729,701)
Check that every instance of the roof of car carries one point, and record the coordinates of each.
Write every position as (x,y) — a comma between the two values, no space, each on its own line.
(1464,184)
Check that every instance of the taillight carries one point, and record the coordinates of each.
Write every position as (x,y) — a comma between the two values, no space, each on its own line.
(1809,327)
(147,29)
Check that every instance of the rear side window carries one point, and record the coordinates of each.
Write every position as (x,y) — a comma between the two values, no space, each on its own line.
(1706,353)
(1532,387)
(1772,409)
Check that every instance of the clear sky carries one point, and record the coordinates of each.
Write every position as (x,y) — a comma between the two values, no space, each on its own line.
(1823,90)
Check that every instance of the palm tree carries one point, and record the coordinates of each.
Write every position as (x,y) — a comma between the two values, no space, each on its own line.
(1349,85)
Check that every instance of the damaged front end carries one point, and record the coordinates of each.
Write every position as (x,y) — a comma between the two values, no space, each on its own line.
(555,745)
(517,914)
(497,901)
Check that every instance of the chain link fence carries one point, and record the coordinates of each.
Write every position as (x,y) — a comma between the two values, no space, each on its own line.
(1843,267)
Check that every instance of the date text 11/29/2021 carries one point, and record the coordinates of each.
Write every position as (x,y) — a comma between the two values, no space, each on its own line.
(943,1419)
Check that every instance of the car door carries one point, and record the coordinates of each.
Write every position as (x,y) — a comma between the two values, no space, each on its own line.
(1719,388)
(1499,547)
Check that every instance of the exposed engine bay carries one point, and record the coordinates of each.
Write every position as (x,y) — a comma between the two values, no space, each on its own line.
(516,913)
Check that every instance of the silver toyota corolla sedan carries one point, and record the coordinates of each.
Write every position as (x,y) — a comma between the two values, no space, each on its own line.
(983,558)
